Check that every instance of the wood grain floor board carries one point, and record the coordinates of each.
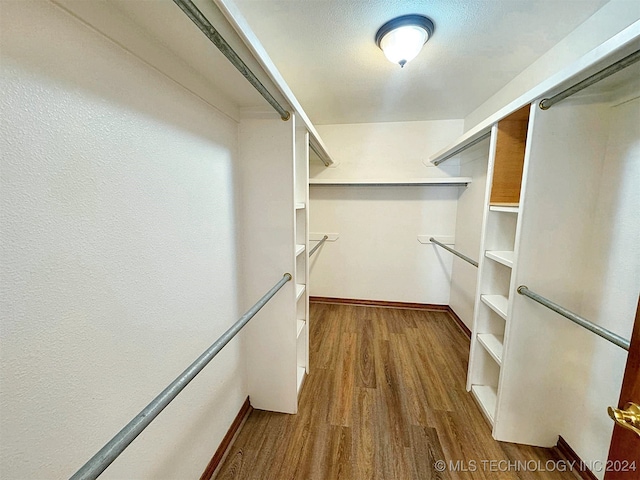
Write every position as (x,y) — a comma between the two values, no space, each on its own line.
(363,448)
(366,357)
(385,400)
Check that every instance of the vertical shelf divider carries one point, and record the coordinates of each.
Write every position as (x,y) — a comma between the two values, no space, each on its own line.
(498,256)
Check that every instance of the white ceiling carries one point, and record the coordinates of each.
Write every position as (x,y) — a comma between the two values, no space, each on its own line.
(326,52)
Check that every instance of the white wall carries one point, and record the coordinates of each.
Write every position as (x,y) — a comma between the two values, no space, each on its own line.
(118,254)
(378,256)
(464,276)
(611,289)
(611,19)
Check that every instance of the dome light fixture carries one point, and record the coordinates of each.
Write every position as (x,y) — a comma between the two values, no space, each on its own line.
(402,38)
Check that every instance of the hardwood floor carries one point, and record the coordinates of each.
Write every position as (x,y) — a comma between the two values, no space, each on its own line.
(385,400)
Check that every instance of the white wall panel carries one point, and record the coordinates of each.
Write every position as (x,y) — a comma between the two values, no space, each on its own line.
(377,255)
(118,253)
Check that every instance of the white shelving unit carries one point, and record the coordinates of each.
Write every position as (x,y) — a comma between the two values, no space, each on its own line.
(498,257)
(283,337)
(266,157)
(301,226)
(564,224)
(576,245)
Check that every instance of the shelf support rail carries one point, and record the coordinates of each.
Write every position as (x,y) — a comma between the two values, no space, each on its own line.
(463,148)
(547,103)
(575,318)
(197,17)
(456,253)
(318,245)
(107,454)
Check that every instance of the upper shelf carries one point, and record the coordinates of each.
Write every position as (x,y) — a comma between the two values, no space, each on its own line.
(159,34)
(608,52)
(239,23)
(451,181)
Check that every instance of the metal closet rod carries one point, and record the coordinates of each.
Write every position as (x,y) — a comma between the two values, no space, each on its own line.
(196,16)
(313,250)
(107,454)
(575,318)
(458,254)
(463,148)
(546,103)
(312,147)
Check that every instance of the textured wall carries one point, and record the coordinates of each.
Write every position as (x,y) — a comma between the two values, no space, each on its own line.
(611,19)
(118,254)
(611,289)
(378,256)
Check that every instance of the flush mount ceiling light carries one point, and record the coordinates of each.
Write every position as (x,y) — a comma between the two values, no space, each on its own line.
(402,38)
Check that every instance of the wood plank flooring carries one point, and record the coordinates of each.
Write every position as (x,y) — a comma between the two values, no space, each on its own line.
(385,400)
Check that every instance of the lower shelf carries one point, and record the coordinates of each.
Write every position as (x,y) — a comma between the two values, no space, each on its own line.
(486,396)
(497,303)
(301,374)
(492,344)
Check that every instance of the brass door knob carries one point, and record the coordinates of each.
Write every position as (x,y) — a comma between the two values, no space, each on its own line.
(628,418)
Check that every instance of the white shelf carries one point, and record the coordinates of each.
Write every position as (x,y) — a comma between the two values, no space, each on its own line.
(492,344)
(497,303)
(299,326)
(587,61)
(300,206)
(503,257)
(486,397)
(301,373)
(497,208)
(299,249)
(299,291)
(450,181)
